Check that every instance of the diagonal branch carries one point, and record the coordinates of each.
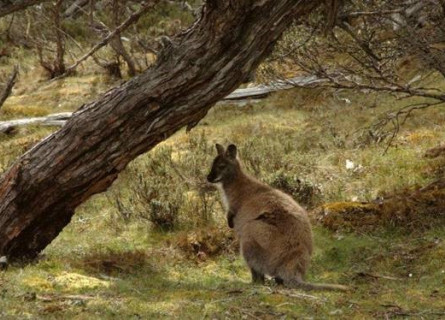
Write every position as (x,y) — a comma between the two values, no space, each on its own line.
(9,85)
(130,20)
(13,6)
(358,14)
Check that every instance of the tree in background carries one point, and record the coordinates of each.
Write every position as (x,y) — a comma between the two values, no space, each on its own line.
(382,46)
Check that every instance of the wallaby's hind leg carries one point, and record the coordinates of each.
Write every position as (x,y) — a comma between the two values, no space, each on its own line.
(255,258)
(257,277)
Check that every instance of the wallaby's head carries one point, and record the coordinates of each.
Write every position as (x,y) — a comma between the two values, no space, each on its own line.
(225,166)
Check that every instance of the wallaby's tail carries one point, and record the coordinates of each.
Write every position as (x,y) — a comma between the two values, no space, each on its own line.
(317,286)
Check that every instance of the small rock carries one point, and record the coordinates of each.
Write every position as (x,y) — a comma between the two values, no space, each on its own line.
(349,164)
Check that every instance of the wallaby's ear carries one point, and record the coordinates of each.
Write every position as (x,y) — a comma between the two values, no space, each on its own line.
(219,149)
(231,151)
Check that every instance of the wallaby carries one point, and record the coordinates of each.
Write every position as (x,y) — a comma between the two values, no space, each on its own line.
(274,231)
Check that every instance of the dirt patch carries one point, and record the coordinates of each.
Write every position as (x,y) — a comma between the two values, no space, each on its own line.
(203,243)
(435,152)
(116,262)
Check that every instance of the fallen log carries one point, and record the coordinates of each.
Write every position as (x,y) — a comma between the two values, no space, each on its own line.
(239,96)
(55,119)
(263,91)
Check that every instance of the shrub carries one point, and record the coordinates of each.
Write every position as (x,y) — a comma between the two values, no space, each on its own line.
(167,188)
(303,192)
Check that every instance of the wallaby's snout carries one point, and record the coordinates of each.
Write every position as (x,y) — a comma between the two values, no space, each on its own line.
(212,177)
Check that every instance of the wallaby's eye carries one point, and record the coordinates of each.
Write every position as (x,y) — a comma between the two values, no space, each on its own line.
(221,166)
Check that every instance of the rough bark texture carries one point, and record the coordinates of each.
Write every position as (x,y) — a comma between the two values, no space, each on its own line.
(39,193)
(8,7)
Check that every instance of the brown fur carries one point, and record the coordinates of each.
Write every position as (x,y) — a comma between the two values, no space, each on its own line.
(274,231)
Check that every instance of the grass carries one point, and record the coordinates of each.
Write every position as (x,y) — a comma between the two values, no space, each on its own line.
(111,261)
(391,276)
(37,99)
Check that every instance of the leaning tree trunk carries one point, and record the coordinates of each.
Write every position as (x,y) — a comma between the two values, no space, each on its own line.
(39,193)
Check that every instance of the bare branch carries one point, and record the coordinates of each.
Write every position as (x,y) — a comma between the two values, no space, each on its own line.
(335,83)
(399,118)
(370,13)
(59,64)
(13,6)
(9,85)
(130,20)
(365,46)
(75,7)
(116,42)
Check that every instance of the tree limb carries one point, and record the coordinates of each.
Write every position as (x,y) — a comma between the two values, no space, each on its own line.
(357,14)
(147,5)
(13,6)
(9,85)
(75,7)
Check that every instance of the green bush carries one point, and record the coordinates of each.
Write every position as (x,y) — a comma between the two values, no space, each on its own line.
(167,187)
(303,192)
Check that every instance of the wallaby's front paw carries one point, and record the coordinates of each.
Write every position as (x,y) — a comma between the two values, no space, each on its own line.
(230,221)
(230,217)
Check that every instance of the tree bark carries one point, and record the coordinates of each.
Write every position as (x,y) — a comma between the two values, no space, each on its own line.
(39,193)
(13,6)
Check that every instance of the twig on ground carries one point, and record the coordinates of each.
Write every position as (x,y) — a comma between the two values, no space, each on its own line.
(294,294)
(50,298)
(378,276)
